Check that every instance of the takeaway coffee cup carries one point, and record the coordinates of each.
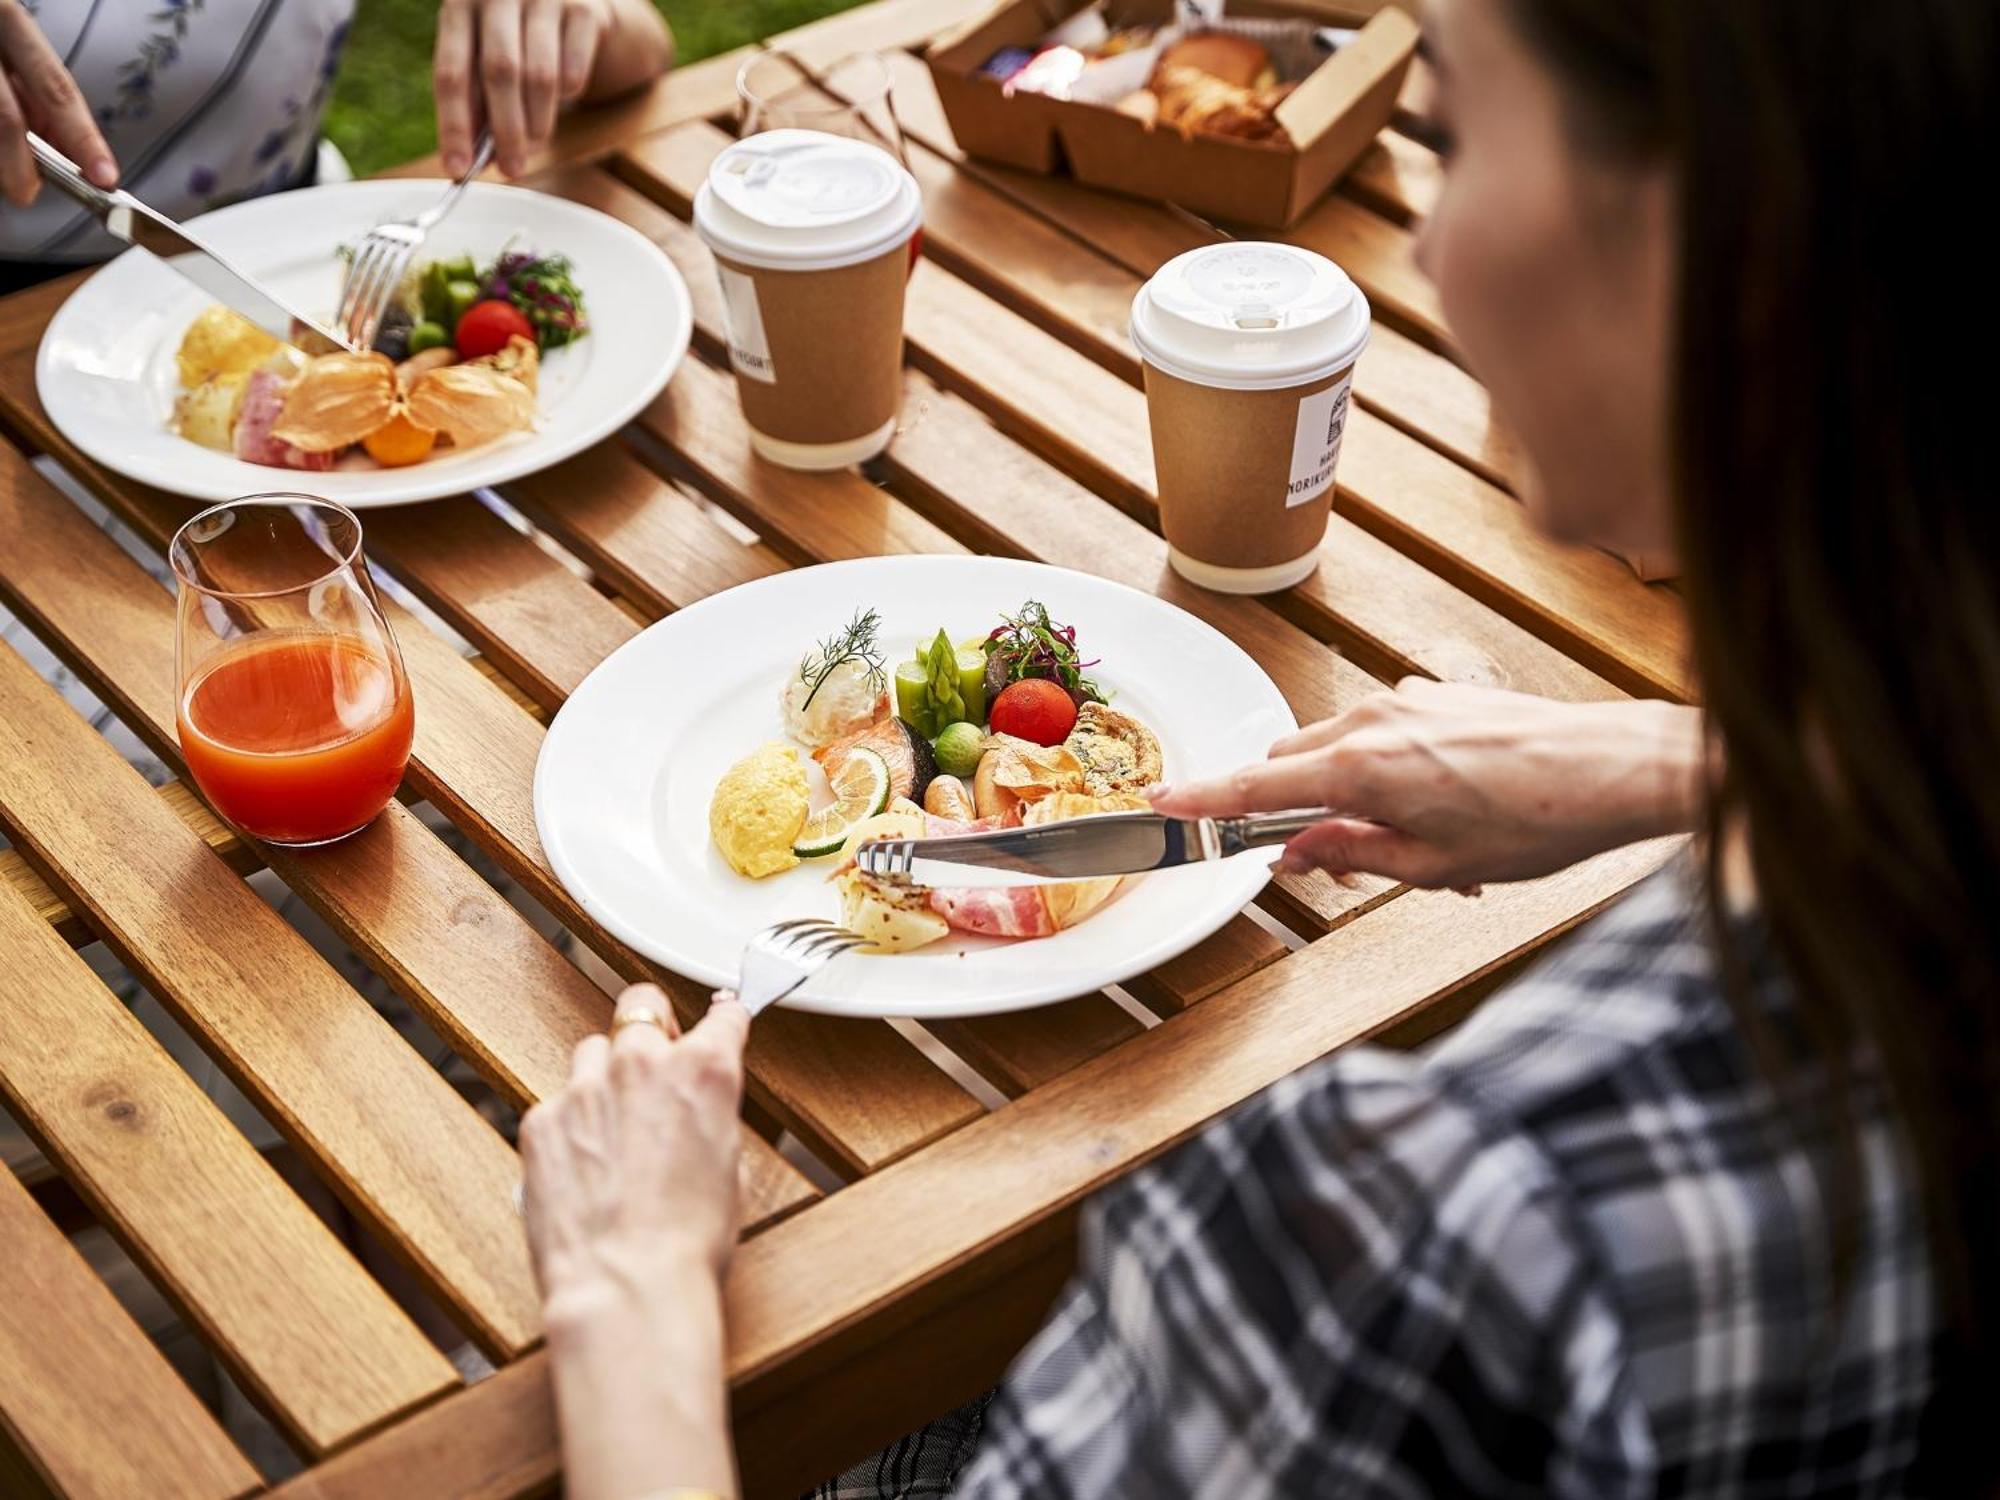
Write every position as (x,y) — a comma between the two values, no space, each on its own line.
(811,234)
(1249,352)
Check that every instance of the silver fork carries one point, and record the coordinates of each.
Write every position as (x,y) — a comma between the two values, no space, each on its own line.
(779,959)
(385,253)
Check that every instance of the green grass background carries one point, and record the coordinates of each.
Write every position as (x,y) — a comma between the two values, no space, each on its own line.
(381,112)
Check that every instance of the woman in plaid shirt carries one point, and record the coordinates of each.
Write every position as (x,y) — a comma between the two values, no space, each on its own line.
(1698,1207)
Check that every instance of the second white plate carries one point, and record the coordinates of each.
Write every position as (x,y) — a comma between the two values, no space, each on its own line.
(626,772)
(106,367)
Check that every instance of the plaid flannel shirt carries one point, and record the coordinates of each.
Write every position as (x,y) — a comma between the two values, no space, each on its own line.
(1577,1250)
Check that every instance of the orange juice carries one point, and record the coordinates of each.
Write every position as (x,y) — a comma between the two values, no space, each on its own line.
(297,737)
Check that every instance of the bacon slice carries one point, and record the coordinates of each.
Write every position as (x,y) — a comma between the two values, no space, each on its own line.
(936,827)
(1007,912)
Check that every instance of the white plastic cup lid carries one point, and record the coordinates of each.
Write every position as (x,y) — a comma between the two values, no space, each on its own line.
(1250,315)
(794,200)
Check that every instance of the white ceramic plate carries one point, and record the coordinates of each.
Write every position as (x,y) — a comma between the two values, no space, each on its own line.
(623,784)
(106,367)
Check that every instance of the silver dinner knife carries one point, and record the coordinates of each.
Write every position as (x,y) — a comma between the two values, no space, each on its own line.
(127,219)
(1125,843)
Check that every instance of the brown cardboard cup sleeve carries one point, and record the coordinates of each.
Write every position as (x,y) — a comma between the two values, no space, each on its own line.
(1246,477)
(818,354)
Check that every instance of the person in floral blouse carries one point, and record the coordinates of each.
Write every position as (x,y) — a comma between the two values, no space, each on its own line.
(196,103)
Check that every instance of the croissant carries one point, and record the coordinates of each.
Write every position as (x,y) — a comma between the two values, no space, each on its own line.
(1191,100)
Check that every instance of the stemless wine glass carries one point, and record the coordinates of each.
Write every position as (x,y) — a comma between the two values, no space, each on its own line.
(294,711)
(778,90)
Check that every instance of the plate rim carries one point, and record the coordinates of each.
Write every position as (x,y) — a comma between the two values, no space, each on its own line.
(1255,866)
(413,490)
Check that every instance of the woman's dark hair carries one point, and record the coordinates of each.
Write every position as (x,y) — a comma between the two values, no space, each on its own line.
(1833,432)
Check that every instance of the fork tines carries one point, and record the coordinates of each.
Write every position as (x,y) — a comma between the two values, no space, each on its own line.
(814,939)
(887,859)
(377,270)
(780,958)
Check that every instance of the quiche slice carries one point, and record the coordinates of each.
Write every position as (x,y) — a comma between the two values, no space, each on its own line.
(1119,754)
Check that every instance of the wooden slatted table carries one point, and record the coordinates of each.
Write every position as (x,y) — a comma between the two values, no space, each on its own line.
(854,1313)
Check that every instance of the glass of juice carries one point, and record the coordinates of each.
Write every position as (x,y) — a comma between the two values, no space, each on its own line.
(295,715)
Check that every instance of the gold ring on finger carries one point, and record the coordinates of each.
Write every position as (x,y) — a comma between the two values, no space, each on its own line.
(639,1018)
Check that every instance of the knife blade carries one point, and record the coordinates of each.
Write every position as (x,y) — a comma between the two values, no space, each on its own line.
(124,217)
(1091,848)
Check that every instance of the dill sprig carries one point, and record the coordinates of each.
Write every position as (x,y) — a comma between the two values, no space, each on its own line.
(856,643)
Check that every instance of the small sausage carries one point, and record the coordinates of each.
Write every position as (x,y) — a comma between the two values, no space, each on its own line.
(946,797)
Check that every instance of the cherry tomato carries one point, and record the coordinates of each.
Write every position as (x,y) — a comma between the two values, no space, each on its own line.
(1034,709)
(488,325)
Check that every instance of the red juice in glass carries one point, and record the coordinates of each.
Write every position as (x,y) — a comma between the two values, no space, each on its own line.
(295,713)
(297,739)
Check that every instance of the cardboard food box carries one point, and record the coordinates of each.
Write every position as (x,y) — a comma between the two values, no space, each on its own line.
(1330,116)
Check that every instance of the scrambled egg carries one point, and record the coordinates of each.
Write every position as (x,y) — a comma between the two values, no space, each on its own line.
(758,808)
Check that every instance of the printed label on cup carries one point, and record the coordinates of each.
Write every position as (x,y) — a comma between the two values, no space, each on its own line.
(749,350)
(1316,442)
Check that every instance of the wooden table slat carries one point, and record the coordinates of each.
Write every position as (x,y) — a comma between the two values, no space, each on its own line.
(498,589)
(1437,403)
(414,1159)
(94,1407)
(1381,257)
(1583,600)
(306,1331)
(1397,177)
(17,875)
(1020,1050)
(1414,103)
(656,543)
(1236,952)
(881,27)
(448,942)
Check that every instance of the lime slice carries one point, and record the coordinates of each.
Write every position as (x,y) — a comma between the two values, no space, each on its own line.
(860,790)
